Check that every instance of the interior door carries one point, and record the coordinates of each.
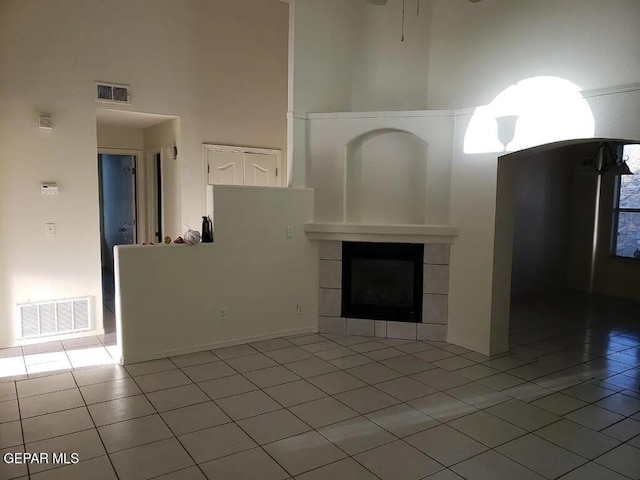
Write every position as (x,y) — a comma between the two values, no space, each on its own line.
(260,170)
(117,202)
(225,168)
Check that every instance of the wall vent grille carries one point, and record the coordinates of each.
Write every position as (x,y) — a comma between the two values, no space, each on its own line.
(56,317)
(112,93)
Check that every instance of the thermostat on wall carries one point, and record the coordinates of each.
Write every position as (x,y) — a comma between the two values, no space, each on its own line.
(49,188)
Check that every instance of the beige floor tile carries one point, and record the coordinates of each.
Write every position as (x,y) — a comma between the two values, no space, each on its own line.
(216,442)
(445,445)
(294,393)
(322,412)
(272,426)
(151,460)
(384,462)
(10,434)
(356,435)
(442,407)
(56,424)
(402,420)
(541,456)
(487,429)
(209,371)
(268,377)
(367,399)
(92,376)
(48,384)
(247,404)
(103,392)
(346,469)
(195,417)
(177,397)
(50,402)
(132,433)
(336,382)
(162,380)
(492,466)
(96,469)
(227,386)
(623,459)
(303,452)
(85,444)
(120,409)
(252,464)
(577,439)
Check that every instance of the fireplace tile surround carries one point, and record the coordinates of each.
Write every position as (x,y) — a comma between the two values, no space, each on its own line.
(435,298)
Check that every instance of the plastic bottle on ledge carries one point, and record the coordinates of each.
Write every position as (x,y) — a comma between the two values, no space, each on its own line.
(207,230)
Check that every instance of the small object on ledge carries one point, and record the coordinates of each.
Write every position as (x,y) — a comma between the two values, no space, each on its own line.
(179,240)
(167,240)
(191,237)
(207,230)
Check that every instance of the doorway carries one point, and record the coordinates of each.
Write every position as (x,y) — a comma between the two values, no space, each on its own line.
(153,230)
(118,219)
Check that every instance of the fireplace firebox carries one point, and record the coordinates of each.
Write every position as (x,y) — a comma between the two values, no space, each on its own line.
(382,281)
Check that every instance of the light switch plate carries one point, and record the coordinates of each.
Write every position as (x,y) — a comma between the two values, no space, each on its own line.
(50,229)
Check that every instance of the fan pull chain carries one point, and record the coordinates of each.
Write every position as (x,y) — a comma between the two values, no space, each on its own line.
(402,37)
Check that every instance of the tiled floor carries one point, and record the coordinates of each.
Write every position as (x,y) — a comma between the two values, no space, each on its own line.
(565,403)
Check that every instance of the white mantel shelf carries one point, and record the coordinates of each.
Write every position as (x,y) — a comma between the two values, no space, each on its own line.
(357,232)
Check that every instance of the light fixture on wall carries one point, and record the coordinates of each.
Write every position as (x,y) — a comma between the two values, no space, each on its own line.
(506,129)
(605,161)
(172,152)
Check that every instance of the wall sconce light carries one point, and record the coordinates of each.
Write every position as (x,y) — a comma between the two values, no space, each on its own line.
(172,152)
(506,129)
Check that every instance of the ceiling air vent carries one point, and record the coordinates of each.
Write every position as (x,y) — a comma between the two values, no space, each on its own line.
(112,93)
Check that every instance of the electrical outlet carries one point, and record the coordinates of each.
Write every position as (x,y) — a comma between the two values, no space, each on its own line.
(223,314)
(299,309)
(289,231)
(50,229)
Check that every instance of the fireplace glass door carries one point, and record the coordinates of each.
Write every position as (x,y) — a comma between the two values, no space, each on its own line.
(382,281)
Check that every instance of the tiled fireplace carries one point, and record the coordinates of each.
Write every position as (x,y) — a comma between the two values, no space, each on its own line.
(432,323)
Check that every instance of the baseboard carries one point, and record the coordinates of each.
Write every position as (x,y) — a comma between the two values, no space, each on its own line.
(52,338)
(128,359)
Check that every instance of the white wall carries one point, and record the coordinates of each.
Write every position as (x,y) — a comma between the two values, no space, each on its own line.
(170,296)
(325,37)
(167,135)
(478,50)
(221,66)
(348,56)
(119,138)
(386,176)
(329,135)
(390,74)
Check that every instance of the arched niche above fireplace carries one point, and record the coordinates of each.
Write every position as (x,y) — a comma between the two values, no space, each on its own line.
(385,178)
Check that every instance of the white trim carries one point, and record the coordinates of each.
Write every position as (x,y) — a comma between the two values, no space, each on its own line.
(212,346)
(616,89)
(596,92)
(389,114)
(119,151)
(353,232)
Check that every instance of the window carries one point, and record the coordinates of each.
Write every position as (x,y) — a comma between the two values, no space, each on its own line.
(627,208)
